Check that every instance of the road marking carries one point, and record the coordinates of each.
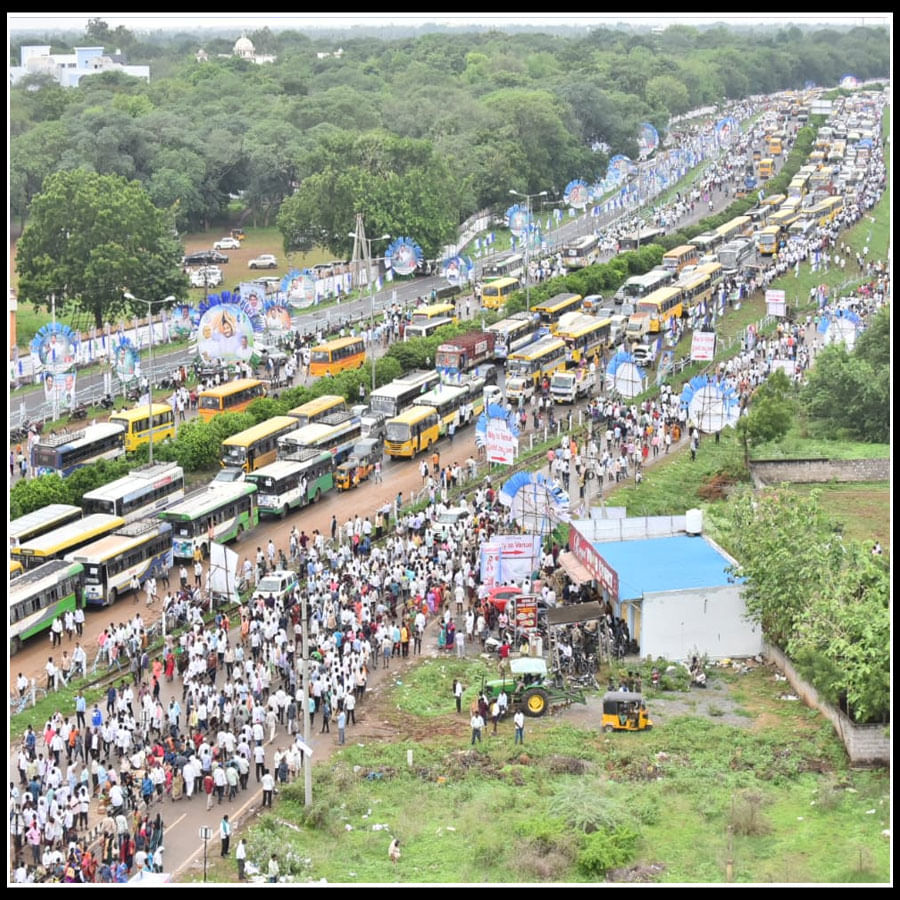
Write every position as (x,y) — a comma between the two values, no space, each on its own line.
(182,816)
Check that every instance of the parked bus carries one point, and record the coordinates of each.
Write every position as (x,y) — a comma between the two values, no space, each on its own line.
(676,259)
(62,454)
(424,328)
(767,240)
(142,549)
(433,311)
(413,431)
(550,310)
(639,286)
(662,305)
(739,226)
(496,293)
(233,396)
(40,521)
(57,543)
(465,352)
(41,595)
(136,423)
(142,492)
(15,569)
(402,392)
(799,186)
(706,242)
(313,410)
(827,210)
(511,265)
(773,145)
(540,359)
(696,288)
(637,239)
(219,512)
(514,333)
(459,404)
(336,356)
(292,484)
(735,255)
(256,446)
(716,272)
(336,433)
(784,218)
(582,252)
(584,335)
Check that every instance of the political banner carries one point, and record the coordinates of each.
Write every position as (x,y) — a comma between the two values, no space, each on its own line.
(490,564)
(501,444)
(703,345)
(775,303)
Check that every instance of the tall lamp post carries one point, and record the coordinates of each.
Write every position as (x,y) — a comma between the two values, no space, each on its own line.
(528,198)
(133,299)
(362,254)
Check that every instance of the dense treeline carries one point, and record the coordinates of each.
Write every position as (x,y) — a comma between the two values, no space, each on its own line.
(417,133)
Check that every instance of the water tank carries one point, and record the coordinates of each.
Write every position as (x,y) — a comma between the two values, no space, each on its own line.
(693,521)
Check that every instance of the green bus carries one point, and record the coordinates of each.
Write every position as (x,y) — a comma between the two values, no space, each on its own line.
(39,596)
(220,512)
(292,484)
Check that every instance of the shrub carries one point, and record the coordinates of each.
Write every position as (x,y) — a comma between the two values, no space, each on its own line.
(746,815)
(605,850)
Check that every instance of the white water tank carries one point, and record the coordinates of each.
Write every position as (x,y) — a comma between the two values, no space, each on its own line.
(693,521)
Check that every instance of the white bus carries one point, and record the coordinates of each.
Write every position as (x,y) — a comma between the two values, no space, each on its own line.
(514,333)
(402,392)
(141,549)
(64,453)
(424,328)
(511,265)
(336,433)
(142,492)
(582,252)
(40,521)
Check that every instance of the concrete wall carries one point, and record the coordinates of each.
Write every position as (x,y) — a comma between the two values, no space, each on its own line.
(710,621)
(866,745)
(806,471)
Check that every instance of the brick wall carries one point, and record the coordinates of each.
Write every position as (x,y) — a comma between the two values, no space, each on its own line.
(806,471)
(866,745)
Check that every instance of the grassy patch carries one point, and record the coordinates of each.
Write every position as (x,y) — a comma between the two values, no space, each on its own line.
(863,509)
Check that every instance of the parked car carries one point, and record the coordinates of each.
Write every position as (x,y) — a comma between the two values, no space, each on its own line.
(279,584)
(206,276)
(264,261)
(205,258)
(227,243)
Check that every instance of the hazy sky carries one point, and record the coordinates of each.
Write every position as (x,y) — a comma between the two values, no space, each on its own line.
(156,21)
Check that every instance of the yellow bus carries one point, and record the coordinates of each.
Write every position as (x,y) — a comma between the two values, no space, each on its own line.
(56,544)
(496,293)
(715,271)
(739,226)
(825,212)
(767,240)
(784,218)
(433,311)
(256,446)
(584,335)
(312,411)
(455,403)
(15,569)
(414,430)
(798,186)
(40,521)
(766,167)
(550,310)
(696,287)
(234,396)
(662,305)
(336,356)
(773,202)
(540,359)
(817,158)
(676,259)
(773,145)
(136,423)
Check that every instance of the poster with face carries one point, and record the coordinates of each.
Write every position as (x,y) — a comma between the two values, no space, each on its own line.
(54,345)
(226,333)
(278,317)
(126,361)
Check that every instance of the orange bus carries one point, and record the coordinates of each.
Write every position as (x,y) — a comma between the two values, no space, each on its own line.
(233,396)
(335,356)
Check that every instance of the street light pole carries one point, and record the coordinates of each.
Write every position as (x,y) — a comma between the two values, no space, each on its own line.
(169,299)
(528,198)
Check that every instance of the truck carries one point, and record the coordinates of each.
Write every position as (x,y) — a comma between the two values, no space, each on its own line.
(465,352)
(567,387)
(638,327)
(517,386)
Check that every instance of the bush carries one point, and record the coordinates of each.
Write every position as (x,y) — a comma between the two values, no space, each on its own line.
(605,850)
(746,815)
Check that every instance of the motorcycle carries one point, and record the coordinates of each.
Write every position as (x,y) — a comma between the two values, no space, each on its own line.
(107,401)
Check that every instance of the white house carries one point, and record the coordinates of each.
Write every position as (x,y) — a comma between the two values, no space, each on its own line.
(69,68)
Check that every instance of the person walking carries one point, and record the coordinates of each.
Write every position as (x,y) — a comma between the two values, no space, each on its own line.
(342,725)
(268,787)
(477,726)
(458,690)
(225,834)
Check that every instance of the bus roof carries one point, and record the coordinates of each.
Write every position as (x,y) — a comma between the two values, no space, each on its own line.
(499,283)
(556,301)
(135,480)
(432,310)
(60,539)
(201,501)
(440,393)
(230,387)
(120,540)
(83,436)
(263,429)
(337,343)
(661,294)
(413,414)
(577,324)
(320,404)
(38,517)
(539,347)
(679,250)
(139,412)
(283,467)
(32,580)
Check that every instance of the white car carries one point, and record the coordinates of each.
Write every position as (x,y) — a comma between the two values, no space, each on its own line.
(208,276)
(265,261)
(227,243)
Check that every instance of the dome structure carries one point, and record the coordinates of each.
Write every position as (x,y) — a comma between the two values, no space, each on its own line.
(243,47)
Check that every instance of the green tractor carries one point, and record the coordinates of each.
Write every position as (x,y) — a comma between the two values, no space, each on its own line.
(531,688)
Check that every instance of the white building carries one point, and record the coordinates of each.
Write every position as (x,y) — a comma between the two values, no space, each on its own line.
(68,69)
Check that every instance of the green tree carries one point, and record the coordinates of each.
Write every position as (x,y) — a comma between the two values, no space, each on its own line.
(770,416)
(92,237)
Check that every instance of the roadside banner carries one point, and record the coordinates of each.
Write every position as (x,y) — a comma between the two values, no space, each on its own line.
(703,345)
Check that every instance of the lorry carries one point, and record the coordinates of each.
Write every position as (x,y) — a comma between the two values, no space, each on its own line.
(638,327)
(517,387)
(464,352)
(567,387)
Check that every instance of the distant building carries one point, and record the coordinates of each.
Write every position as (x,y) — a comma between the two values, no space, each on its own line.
(67,69)
(337,54)
(243,49)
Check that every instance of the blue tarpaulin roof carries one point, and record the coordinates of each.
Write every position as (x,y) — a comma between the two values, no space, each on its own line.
(664,564)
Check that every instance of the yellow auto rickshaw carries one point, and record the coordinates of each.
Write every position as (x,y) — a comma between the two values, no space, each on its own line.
(625,711)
